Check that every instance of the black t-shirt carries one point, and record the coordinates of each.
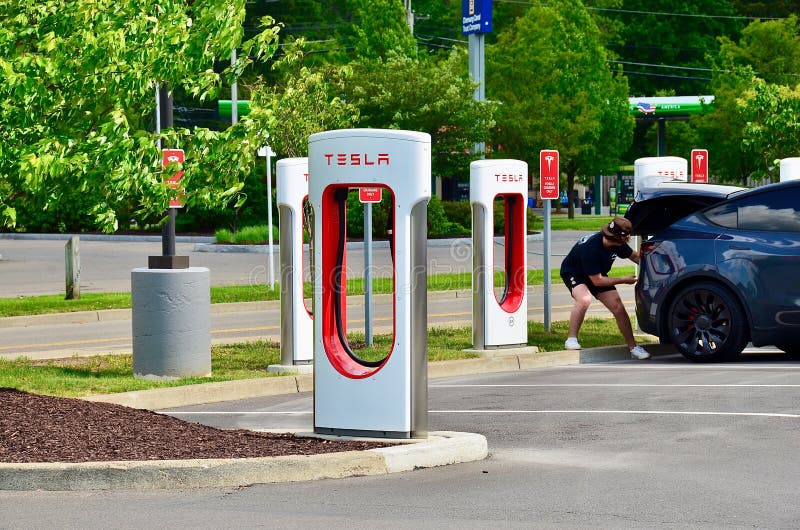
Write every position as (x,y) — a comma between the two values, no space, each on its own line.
(589,257)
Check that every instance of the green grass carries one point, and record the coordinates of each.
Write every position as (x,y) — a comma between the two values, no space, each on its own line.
(36,305)
(580,222)
(247,235)
(105,374)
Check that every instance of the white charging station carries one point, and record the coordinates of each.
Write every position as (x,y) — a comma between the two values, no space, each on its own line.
(352,396)
(499,321)
(297,323)
(790,169)
(655,170)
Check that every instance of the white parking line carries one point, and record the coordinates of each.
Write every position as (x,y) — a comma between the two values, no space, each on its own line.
(682,368)
(664,412)
(232,413)
(614,385)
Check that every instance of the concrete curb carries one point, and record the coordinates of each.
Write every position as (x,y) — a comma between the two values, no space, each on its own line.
(441,448)
(152,238)
(108,315)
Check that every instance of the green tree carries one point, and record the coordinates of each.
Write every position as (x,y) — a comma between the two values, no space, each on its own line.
(767,9)
(767,53)
(78,95)
(550,74)
(379,27)
(666,43)
(304,101)
(424,94)
(772,129)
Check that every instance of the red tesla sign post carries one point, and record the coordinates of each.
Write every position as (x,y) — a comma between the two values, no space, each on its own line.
(174,156)
(368,197)
(548,190)
(699,165)
(548,174)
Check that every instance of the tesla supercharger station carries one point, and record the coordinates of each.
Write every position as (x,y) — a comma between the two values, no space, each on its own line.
(790,169)
(297,324)
(353,396)
(499,321)
(659,169)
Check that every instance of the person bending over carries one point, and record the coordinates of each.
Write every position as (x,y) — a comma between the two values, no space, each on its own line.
(585,273)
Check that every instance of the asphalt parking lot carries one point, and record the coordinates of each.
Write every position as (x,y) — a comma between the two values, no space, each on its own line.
(630,444)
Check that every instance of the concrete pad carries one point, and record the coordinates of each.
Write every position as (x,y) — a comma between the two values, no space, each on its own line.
(291,369)
(161,398)
(494,352)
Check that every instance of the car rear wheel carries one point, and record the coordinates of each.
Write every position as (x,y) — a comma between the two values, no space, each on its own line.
(706,323)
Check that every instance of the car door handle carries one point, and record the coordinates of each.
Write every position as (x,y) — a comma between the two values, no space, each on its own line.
(737,247)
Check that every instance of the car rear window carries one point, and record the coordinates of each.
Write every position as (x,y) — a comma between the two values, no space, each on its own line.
(775,211)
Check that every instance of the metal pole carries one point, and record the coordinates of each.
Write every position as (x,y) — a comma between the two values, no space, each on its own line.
(409,15)
(546,265)
(269,218)
(158,113)
(476,69)
(368,273)
(166,121)
(168,238)
(234,93)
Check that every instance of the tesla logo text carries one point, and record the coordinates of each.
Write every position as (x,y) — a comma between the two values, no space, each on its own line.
(506,177)
(671,173)
(357,159)
(699,159)
(549,159)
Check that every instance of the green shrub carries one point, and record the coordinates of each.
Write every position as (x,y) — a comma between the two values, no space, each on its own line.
(247,235)
(459,212)
(438,223)
(223,235)
(500,221)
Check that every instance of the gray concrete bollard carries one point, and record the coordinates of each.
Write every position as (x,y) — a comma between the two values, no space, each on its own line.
(171,322)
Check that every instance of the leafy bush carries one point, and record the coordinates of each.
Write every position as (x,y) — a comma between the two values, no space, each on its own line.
(438,222)
(247,235)
(459,212)
(500,222)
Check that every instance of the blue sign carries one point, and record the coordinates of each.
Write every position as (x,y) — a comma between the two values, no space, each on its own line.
(476,16)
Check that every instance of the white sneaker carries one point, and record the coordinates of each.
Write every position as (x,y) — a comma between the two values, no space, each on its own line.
(639,353)
(572,344)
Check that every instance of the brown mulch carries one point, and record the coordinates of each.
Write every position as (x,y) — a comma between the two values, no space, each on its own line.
(36,428)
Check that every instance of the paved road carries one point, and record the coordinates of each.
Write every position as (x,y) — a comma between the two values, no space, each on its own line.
(655,444)
(31,267)
(49,336)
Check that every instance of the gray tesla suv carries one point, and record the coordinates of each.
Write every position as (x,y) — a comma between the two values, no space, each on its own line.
(720,267)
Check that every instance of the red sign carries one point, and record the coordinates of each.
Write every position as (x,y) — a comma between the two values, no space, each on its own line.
(172,156)
(699,165)
(548,174)
(371,195)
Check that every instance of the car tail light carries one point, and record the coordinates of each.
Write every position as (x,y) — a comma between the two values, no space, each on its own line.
(648,246)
